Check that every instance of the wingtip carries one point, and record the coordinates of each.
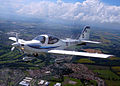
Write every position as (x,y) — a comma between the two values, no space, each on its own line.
(110,56)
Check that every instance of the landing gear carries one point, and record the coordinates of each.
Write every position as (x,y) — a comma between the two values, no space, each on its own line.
(35,54)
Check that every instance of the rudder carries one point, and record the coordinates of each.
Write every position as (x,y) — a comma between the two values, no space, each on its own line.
(85,33)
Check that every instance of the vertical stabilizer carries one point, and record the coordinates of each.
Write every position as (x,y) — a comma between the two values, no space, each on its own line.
(85,33)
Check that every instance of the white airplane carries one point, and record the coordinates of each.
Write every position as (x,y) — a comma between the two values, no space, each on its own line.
(51,44)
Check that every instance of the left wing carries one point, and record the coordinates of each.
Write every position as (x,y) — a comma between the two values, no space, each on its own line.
(70,40)
(87,41)
(80,53)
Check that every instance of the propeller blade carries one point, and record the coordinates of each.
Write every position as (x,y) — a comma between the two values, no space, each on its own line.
(12,48)
(16,37)
(16,44)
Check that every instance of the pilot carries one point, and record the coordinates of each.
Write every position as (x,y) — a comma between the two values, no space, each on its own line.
(42,40)
(52,40)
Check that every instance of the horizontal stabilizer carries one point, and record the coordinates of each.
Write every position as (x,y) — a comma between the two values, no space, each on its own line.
(86,41)
(79,53)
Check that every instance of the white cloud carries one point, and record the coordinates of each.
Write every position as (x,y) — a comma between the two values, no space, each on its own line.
(89,10)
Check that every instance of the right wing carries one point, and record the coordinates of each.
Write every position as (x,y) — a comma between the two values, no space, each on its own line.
(79,53)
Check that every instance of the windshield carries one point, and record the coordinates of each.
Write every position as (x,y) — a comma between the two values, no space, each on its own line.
(40,38)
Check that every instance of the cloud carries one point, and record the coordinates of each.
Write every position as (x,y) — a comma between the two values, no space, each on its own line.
(10,6)
(86,11)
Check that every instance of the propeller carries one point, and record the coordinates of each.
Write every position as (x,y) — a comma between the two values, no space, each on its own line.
(16,44)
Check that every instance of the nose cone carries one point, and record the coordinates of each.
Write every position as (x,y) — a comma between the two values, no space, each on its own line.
(16,44)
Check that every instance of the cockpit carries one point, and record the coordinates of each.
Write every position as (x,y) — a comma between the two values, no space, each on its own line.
(42,39)
(49,39)
(52,40)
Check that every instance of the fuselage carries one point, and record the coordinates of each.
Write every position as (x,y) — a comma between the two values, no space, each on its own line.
(44,43)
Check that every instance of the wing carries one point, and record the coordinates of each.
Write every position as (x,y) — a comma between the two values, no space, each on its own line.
(70,40)
(86,41)
(19,40)
(80,53)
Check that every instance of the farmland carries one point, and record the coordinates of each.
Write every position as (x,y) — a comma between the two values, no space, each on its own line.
(107,69)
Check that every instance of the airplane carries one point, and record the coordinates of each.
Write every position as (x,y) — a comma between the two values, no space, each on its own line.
(51,44)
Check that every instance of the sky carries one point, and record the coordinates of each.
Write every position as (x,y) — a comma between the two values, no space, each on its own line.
(109,2)
(103,12)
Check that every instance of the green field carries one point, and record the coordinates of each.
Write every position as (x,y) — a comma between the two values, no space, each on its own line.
(116,68)
(104,72)
(107,74)
(112,83)
(97,67)
(85,61)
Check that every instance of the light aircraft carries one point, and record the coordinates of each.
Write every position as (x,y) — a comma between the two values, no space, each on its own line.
(51,44)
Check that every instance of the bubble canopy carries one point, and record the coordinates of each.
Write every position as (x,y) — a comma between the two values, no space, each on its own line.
(43,38)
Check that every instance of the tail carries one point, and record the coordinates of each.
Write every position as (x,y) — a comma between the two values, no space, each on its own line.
(85,33)
(84,37)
